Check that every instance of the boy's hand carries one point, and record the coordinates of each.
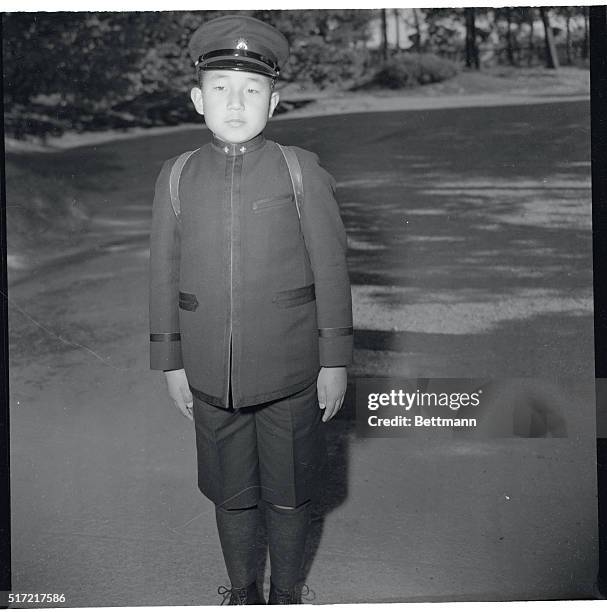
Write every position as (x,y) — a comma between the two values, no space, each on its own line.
(179,391)
(331,385)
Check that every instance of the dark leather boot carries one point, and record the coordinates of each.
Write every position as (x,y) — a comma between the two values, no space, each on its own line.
(292,596)
(241,596)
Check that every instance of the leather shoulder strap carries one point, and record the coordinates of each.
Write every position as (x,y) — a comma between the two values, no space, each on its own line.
(174,181)
(296,175)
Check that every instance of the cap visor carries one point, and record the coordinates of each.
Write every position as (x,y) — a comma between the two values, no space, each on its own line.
(240,64)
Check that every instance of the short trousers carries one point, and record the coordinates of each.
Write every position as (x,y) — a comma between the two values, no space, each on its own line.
(274,451)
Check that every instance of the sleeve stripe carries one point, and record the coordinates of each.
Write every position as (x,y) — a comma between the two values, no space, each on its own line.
(165,337)
(334,332)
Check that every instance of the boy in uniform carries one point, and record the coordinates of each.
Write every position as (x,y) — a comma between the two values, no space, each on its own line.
(250,306)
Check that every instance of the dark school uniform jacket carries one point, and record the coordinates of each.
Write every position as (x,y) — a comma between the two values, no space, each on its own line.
(242,291)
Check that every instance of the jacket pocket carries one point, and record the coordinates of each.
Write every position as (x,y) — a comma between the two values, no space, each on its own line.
(187,301)
(273,202)
(294,297)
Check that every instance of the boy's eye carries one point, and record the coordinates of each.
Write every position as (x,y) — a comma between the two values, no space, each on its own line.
(219,87)
(252,90)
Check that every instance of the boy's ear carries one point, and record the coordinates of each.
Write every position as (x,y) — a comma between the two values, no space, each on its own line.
(196,95)
(274,99)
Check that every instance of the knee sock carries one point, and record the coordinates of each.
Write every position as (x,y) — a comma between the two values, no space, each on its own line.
(238,536)
(287,532)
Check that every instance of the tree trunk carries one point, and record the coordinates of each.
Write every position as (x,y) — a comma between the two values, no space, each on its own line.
(531,34)
(586,46)
(384,28)
(417,45)
(552,60)
(472,58)
(492,16)
(568,41)
(468,46)
(397,26)
(509,52)
(475,55)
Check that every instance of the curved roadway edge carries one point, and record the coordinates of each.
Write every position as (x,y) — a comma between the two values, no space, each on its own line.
(323,107)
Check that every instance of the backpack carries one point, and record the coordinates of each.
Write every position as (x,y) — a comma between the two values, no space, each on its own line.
(292,164)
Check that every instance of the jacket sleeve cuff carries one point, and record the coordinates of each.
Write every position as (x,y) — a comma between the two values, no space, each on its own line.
(335,346)
(165,352)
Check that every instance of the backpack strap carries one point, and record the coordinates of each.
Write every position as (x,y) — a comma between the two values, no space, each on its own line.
(174,181)
(290,158)
(295,174)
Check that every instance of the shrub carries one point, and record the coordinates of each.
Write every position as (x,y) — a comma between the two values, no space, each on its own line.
(321,65)
(413,69)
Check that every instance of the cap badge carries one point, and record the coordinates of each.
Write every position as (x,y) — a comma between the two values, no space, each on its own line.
(241,43)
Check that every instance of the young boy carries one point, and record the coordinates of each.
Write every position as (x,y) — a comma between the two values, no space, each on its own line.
(250,307)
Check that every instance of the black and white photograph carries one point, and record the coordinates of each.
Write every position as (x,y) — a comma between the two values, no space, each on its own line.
(300,306)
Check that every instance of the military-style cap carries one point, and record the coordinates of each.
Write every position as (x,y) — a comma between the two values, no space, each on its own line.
(236,42)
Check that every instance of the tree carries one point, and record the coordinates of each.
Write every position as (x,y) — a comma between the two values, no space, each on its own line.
(586,47)
(472,57)
(81,57)
(509,51)
(96,60)
(530,14)
(568,39)
(327,46)
(417,37)
(567,13)
(397,26)
(552,60)
(508,22)
(384,29)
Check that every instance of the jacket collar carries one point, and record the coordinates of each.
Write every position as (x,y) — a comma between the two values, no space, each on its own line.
(231,150)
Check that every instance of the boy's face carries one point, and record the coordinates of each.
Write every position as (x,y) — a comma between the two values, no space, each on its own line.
(236,105)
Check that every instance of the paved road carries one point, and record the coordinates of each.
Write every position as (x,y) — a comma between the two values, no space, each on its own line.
(470,254)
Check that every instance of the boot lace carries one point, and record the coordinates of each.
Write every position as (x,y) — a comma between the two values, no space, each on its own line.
(307,594)
(236,596)
(295,595)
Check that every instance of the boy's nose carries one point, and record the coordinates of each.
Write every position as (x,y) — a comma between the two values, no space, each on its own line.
(235,100)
